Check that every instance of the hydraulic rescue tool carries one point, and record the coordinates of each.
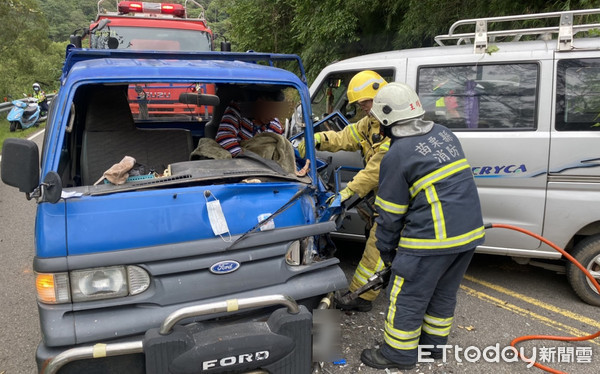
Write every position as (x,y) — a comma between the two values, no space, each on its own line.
(376,281)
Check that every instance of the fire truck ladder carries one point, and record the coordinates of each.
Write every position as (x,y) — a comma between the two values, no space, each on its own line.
(481,37)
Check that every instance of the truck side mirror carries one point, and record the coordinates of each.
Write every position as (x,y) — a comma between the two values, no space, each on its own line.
(225,47)
(20,164)
(75,40)
(113,43)
(52,187)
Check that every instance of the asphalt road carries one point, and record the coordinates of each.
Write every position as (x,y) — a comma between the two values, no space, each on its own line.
(19,328)
(498,301)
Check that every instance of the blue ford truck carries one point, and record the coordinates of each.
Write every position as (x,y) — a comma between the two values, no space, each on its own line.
(154,251)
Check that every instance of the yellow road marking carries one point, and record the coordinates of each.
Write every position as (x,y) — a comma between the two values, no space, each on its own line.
(526,313)
(536,302)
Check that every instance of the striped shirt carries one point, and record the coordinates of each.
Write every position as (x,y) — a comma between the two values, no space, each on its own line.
(234,128)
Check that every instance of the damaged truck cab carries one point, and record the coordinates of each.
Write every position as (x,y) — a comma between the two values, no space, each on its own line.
(179,264)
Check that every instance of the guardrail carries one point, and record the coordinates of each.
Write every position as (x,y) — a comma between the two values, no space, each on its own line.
(7,106)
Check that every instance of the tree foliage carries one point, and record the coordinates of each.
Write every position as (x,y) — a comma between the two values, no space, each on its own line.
(24,46)
(64,17)
(323,31)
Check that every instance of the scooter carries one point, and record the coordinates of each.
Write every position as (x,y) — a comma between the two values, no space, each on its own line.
(24,114)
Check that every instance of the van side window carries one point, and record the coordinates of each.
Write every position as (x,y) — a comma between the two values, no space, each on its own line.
(578,95)
(331,95)
(475,97)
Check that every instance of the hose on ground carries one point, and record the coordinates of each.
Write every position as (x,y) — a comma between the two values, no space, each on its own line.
(515,341)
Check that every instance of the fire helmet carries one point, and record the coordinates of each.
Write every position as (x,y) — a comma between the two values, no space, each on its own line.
(396,102)
(364,86)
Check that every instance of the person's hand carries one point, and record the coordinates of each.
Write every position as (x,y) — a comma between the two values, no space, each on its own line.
(302,145)
(345,194)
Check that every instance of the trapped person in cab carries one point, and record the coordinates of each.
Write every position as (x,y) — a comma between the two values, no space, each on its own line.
(242,121)
(366,136)
(428,227)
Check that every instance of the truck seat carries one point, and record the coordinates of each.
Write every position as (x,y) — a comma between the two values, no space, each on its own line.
(110,134)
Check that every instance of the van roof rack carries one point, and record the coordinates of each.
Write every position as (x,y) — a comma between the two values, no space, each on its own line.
(565,29)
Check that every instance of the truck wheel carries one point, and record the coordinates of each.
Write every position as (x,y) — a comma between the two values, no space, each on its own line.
(13,126)
(587,252)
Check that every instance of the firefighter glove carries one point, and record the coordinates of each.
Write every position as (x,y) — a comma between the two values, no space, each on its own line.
(302,145)
(345,194)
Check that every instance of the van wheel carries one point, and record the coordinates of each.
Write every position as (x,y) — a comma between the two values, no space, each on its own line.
(13,126)
(587,252)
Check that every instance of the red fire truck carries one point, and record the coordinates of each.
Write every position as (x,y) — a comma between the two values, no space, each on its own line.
(137,25)
(144,25)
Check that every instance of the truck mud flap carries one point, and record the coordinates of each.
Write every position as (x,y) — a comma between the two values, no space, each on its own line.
(282,344)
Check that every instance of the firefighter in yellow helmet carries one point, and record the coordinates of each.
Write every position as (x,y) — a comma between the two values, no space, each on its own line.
(364,135)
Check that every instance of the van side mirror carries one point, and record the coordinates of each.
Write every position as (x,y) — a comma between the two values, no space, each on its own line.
(20,164)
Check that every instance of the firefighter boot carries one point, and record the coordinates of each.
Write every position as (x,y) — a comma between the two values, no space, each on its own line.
(374,359)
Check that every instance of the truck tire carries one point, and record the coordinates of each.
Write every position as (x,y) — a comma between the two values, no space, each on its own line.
(13,126)
(587,252)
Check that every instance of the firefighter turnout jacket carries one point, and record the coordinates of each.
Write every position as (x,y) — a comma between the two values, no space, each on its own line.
(427,199)
(366,136)
(363,135)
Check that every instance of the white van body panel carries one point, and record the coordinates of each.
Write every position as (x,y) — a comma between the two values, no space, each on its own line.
(518,171)
(573,203)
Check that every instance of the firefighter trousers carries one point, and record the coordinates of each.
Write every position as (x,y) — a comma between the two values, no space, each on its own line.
(368,265)
(422,298)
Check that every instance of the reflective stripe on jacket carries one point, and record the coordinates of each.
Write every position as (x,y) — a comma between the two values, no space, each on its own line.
(359,135)
(427,199)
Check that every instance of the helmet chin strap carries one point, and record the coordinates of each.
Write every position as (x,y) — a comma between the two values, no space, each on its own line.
(410,127)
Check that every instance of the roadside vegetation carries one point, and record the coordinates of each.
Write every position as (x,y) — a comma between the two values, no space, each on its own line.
(5,133)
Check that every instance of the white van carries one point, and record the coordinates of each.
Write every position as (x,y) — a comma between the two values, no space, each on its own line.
(528,116)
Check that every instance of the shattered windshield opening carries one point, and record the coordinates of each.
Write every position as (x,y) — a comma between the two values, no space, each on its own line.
(153,134)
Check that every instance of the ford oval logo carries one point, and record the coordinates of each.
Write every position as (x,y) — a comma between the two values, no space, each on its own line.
(225,267)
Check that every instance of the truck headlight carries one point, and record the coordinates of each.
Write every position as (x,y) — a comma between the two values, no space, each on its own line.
(91,284)
(99,283)
(301,252)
